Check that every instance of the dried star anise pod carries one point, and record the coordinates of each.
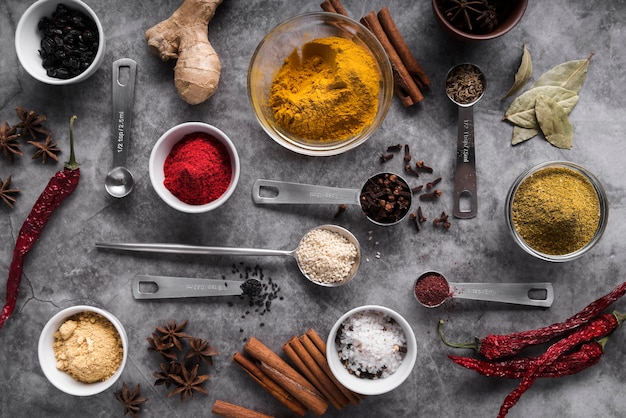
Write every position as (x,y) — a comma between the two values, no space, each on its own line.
(164,376)
(475,16)
(131,400)
(173,333)
(31,123)
(8,141)
(200,350)
(6,192)
(162,347)
(188,382)
(45,150)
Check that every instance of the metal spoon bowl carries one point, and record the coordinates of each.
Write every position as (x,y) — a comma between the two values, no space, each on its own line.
(119,182)
(465,173)
(191,249)
(515,293)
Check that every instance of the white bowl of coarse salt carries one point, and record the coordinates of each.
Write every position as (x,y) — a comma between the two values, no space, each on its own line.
(371,350)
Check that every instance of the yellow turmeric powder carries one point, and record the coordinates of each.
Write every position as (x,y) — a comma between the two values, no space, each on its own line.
(329,93)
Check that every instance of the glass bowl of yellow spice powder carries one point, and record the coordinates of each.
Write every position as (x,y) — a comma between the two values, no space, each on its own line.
(320,84)
(557,211)
(83,350)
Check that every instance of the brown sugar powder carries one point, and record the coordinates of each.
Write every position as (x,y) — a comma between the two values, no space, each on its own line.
(88,347)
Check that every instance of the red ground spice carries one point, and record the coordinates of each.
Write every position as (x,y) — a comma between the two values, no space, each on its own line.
(432,289)
(197,169)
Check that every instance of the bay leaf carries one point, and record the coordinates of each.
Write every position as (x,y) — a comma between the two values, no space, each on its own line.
(521,111)
(569,75)
(523,134)
(554,122)
(524,71)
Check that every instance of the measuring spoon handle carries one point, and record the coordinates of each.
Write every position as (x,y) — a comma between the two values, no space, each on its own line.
(188,249)
(465,174)
(123,95)
(517,293)
(145,286)
(281,192)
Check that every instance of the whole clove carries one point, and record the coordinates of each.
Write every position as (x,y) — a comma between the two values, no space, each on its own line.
(435,194)
(407,153)
(433,183)
(385,198)
(423,167)
(392,148)
(385,157)
(341,209)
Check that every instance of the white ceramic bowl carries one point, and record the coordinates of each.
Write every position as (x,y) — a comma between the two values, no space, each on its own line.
(270,56)
(161,150)
(366,386)
(28,40)
(47,360)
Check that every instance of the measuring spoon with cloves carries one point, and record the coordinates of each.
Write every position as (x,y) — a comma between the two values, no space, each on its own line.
(465,86)
(385,198)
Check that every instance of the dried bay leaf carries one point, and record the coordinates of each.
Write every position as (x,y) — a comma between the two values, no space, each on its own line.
(521,112)
(524,71)
(523,134)
(569,75)
(554,123)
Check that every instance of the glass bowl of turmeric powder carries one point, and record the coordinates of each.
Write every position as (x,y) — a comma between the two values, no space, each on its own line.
(320,84)
(83,350)
(557,211)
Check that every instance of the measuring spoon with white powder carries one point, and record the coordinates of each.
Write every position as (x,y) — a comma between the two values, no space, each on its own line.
(313,255)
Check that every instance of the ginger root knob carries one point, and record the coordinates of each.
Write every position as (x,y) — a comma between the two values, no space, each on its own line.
(184,37)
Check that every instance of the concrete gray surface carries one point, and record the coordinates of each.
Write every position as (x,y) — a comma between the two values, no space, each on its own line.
(66,269)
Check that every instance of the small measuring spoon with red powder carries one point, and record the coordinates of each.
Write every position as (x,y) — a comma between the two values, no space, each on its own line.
(431,289)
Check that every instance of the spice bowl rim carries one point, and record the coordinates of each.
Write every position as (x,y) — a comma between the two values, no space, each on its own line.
(28,41)
(161,150)
(366,386)
(514,17)
(47,359)
(301,25)
(602,200)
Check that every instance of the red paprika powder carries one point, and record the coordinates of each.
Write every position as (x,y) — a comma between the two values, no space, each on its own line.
(432,289)
(198,169)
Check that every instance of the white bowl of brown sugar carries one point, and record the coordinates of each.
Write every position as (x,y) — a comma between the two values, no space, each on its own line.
(83,350)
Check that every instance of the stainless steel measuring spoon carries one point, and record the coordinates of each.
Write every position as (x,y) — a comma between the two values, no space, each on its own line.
(265,192)
(202,250)
(119,181)
(465,86)
(147,286)
(432,289)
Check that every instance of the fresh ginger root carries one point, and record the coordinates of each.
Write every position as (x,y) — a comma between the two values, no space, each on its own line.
(184,36)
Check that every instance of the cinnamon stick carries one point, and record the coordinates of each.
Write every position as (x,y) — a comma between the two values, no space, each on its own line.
(319,378)
(406,87)
(395,37)
(339,7)
(286,376)
(229,410)
(328,7)
(268,384)
(312,342)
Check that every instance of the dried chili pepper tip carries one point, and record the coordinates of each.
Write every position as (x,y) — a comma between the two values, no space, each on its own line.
(72,164)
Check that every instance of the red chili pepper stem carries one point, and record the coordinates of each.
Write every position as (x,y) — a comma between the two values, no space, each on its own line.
(475,345)
(72,164)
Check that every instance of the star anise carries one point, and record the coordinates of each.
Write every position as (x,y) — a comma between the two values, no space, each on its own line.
(200,350)
(476,16)
(162,347)
(6,192)
(173,333)
(188,383)
(8,141)
(131,399)
(45,149)
(164,376)
(31,123)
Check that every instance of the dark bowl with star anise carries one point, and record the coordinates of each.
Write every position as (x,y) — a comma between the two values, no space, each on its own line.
(478,20)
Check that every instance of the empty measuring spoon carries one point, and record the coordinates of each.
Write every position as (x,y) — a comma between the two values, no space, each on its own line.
(119,181)
(465,86)
(202,250)
(369,197)
(431,289)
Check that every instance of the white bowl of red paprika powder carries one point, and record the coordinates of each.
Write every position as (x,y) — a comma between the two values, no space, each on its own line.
(194,167)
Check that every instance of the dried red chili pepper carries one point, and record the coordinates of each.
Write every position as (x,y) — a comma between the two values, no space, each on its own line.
(496,346)
(586,356)
(600,326)
(60,186)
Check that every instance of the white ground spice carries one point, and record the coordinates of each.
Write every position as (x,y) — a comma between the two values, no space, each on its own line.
(326,256)
(88,347)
